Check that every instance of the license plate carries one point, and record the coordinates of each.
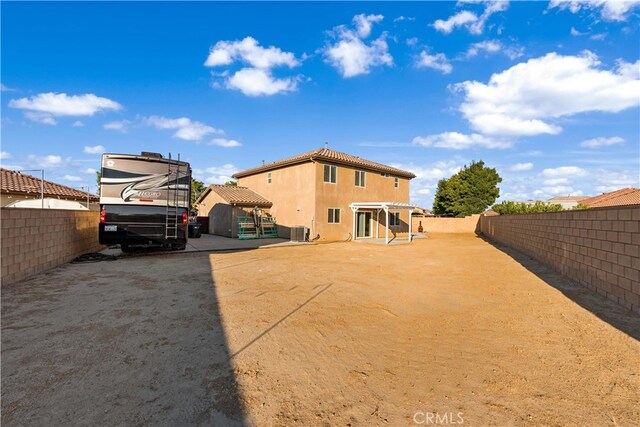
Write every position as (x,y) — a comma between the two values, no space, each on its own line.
(110,228)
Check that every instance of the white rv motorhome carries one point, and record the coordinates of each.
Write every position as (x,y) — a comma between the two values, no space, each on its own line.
(144,200)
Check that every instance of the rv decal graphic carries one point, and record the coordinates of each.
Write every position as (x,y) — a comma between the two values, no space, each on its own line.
(149,187)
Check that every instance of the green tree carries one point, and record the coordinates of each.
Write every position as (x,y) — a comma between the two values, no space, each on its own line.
(468,192)
(516,208)
(231,183)
(197,187)
(98,178)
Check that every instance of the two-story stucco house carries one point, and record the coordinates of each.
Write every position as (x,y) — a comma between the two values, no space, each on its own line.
(320,190)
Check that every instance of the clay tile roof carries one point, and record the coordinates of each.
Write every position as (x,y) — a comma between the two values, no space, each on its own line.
(331,156)
(622,197)
(21,183)
(239,195)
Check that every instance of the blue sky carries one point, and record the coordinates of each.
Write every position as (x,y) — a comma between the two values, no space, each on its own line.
(547,93)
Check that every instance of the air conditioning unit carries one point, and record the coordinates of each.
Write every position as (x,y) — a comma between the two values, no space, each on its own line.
(298,233)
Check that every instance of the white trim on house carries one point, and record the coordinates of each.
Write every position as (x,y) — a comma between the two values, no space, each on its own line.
(384,206)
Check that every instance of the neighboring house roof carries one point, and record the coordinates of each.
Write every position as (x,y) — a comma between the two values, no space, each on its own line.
(236,195)
(622,197)
(19,183)
(567,199)
(330,156)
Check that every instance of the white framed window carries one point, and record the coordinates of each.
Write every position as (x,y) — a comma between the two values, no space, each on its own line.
(269,178)
(396,182)
(333,216)
(330,173)
(360,178)
(394,219)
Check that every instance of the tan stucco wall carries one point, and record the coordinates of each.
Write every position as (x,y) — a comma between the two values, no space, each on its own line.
(467,224)
(378,188)
(292,192)
(301,197)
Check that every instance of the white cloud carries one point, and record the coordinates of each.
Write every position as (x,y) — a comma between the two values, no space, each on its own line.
(42,108)
(599,37)
(404,18)
(560,190)
(185,128)
(249,51)
(223,142)
(576,33)
(77,124)
(12,167)
(4,88)
(38,117)
(411,41)
(460,141)
(351,55)
(97,149)
(257,79)
(72,178)
(521,167)
(438,62)
(494,46)
(556,181)
(118,125)
(564,172)
(216,174)
(602,142)
(469,20)
(5,155)
(610,10)
(259,82)
(90,171)
(50,161)
(363,24)
(458,20)
(522,99)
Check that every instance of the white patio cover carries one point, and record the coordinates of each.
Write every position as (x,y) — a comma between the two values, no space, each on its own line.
(384,206)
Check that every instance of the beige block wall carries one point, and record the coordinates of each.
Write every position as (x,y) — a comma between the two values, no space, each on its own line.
(34,240)
(467,224)
(599,248)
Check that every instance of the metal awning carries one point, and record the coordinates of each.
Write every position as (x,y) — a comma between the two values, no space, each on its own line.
(381,206)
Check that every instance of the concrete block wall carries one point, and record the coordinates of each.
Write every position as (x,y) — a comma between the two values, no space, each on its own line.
(599,248)
(34,240)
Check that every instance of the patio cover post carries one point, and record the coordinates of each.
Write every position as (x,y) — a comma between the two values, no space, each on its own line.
(377,223)
(386,225)
(354,210)
(410,222)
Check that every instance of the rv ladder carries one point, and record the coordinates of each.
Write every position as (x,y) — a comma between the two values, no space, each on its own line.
(173,218)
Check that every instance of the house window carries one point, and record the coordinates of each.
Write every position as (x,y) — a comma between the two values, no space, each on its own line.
(330,173)
(269,178)
(396,182)
(334,216)
(394,219)
(359,178)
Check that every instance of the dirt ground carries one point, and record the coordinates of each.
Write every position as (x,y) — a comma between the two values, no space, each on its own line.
(333,334)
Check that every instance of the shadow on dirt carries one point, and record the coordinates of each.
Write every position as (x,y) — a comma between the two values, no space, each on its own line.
(138,341)
(610,312)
